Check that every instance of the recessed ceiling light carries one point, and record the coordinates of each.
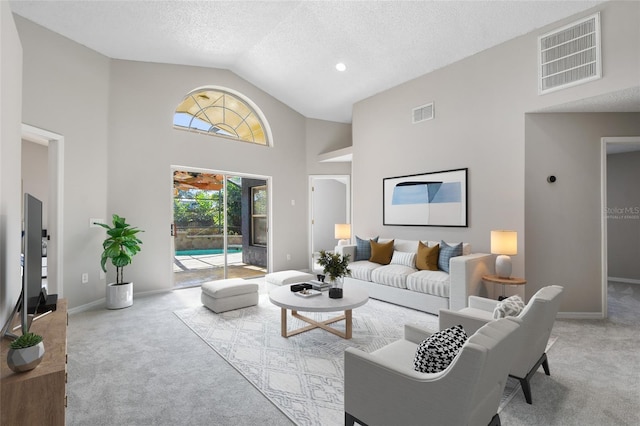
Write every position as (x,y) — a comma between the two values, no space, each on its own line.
(340,66)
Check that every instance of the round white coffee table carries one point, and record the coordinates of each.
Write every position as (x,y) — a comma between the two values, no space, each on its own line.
(286,299)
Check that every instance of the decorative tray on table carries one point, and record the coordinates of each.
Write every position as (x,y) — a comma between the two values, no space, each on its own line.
(308,292)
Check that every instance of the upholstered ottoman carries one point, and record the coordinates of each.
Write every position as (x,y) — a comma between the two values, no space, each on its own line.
(226,295)
(288,277)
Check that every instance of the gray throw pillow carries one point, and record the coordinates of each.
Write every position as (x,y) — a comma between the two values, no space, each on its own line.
(446,253)
(363,248)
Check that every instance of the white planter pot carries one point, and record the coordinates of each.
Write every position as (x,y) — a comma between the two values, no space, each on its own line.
(119,295)
(25,359)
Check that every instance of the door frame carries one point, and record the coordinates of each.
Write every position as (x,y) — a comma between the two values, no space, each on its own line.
(603,210)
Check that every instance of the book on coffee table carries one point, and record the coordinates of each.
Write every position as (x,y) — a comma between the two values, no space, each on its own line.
(319,285)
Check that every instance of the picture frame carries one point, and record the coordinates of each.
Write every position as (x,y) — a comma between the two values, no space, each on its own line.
(426,199)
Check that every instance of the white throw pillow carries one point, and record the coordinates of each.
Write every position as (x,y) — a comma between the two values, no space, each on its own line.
(403,258)
(509,307)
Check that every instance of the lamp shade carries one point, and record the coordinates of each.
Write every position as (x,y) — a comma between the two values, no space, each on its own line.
(342,231)
(504,242)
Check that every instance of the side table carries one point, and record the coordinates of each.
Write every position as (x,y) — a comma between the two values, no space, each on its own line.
(504,281)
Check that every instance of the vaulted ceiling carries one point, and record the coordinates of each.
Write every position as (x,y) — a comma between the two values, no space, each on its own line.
(290,48)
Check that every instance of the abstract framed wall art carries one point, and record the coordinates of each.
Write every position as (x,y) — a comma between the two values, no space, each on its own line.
(427,199)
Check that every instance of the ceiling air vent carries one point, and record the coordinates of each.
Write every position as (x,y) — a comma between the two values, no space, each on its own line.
(569,55)
(422,113)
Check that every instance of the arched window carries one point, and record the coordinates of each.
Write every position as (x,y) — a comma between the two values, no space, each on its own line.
(221,112)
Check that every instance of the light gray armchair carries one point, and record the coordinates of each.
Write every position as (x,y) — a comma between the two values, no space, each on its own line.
(382,387)
(537,318)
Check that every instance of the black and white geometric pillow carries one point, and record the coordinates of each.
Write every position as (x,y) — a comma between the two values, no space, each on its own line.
(436,353)
(509,307)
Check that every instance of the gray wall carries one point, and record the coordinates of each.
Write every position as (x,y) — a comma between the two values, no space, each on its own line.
(66,91)
(35,170)
(623,223)
(329,208)
(116,119)
(322,137)
(480,107)
(145,132)
(10,136)
(563,219)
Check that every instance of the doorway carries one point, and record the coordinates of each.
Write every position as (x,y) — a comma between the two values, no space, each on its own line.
(220,226)
(624,216)
(329,204)
(54,213)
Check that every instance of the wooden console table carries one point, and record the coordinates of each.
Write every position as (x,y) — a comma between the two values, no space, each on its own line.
(38,397)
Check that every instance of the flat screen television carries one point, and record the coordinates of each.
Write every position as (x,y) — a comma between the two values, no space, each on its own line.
(32,259)
(30,296)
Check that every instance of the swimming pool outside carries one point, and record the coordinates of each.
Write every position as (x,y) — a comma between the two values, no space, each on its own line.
(199,252)
(194,269)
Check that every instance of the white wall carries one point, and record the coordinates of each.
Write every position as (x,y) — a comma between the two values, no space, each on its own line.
(10,131)
(480,106)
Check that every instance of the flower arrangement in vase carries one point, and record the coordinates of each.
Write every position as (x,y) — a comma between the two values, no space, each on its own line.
(336,267)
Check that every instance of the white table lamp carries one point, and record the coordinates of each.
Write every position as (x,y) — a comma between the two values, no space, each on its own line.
(504,244)
(343,233)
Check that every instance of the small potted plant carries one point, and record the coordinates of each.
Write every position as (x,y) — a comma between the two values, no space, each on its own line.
(120,246)
(25,353)
(336,267)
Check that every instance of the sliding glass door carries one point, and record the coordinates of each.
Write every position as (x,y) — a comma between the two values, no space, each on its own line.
(219,228)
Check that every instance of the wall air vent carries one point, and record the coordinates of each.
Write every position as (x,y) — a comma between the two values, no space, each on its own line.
(569,55)
(422,113)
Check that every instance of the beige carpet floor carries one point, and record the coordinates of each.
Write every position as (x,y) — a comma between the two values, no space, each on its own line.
(143,366)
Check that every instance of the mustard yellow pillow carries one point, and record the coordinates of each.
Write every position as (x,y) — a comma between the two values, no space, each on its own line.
(427,257)
(381,252)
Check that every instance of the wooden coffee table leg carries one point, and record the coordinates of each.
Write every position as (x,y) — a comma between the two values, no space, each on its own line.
(283,322)
(347,317)
(347,324)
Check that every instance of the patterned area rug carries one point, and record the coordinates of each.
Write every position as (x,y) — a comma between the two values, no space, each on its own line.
(302,375)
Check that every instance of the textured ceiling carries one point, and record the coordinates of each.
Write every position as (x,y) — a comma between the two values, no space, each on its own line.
(290,48)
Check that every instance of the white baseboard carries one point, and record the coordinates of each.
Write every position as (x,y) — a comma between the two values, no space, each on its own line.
(103,302)
(100,302)
(580,315)
(624,280)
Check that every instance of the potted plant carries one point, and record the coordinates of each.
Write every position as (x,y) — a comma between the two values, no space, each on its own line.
(120,246)
(25,353)
(336,267)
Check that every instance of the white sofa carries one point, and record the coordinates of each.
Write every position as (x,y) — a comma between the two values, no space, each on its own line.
(427,291)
